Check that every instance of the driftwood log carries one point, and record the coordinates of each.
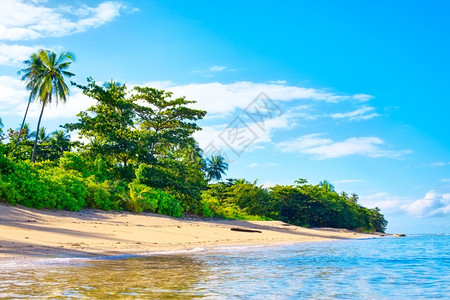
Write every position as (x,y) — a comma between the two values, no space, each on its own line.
(245,230)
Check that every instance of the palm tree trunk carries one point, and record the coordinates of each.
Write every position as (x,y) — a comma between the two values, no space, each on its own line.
(21,127)
(33,157)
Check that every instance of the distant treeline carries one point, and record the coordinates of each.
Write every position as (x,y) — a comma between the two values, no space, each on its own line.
(138,154)
(300,204)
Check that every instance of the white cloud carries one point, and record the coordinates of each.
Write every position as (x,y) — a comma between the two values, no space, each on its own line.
(269,184)
(362,97)
(14,99)
(16,54)
(356,115)
(384,201)
(256,133)
(347,181)
(266,165)
(322,148)
(438,164)
(217,69)
(302,143)
(76,102)
(445,179)
(218,97)
(433,204)
(214,69)
(26,20)
(12,94)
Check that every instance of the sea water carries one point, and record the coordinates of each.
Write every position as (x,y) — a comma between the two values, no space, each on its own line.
(412,267)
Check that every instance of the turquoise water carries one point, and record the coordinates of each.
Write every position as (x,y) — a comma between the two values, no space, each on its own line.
(414,267)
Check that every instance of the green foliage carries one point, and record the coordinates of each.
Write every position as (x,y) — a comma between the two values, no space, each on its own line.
(26,184)
(290,205)
(143,198)
(104,195)
(109,125)
(182,180)
(86,166)
(74,161)
(149,127)
(168,205)
(23,150)
(141,156)
(165,124)
(46,185)
(303,204)
(139,198)
(66,188)
(225,208)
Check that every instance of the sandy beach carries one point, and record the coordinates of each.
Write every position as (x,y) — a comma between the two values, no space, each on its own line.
(30,233)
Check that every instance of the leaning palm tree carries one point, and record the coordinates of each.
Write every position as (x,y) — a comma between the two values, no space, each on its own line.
(48,80)
(216,167)
(31,75)
(1,130)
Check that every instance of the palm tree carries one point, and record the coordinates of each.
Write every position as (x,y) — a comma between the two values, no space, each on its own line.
(47,79)
(42,136)
(354,198)
(1,130)
(30,75)
(344,195)
(216,167)
(326,186)
(60,141)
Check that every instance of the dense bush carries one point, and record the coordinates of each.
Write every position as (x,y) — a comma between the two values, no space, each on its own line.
(143,198)
(182,181)
(73,184)
(301,204)
(225,208)
(24,183)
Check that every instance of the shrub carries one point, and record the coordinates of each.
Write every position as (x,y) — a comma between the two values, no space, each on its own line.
(141,197)
(26,184)
(74,161)
(227,209)
(182,181)
(66,187)
(101,195)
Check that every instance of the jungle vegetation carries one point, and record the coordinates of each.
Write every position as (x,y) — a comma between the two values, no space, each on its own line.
(138,154)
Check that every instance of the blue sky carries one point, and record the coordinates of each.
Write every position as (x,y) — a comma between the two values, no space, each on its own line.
(358,90)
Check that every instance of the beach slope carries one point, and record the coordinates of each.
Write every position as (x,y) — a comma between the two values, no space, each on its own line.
(26,233)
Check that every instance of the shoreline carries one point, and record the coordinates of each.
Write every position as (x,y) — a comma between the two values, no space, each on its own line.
(28,234)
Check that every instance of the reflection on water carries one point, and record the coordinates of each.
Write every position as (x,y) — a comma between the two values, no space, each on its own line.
(392,268)
(149,277)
